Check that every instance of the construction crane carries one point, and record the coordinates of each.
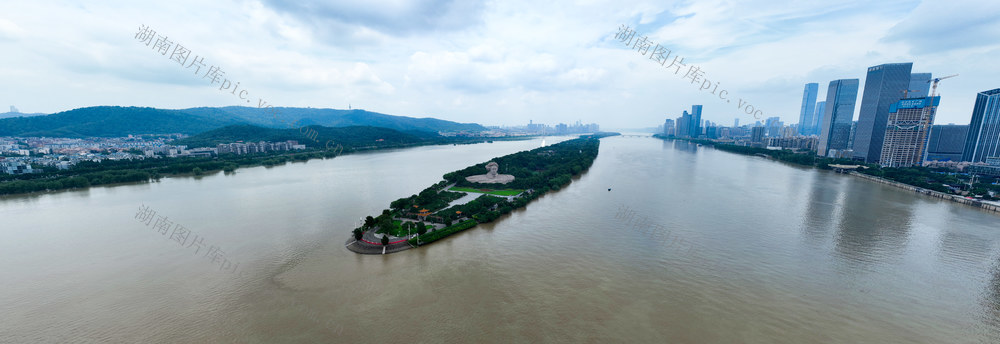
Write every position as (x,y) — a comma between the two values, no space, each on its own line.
(906,93)
(936,81)
(929,111)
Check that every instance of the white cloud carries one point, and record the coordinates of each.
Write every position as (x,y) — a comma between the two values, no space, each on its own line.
(490,62)
(10,30)
(936,26)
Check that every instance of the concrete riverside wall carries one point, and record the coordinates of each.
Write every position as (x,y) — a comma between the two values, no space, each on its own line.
(931,193)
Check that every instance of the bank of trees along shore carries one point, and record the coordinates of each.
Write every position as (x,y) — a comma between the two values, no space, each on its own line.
(88,173)
(928,178)
(536,171)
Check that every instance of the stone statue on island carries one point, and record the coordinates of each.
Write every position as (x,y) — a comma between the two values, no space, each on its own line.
(491,176)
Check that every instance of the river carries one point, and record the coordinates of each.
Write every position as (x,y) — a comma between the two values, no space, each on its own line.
(721,248)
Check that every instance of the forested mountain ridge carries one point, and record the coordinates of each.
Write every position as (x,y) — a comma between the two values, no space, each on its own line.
(115,121)
(112,121)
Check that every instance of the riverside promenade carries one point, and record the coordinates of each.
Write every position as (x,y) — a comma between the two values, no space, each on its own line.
(371,243)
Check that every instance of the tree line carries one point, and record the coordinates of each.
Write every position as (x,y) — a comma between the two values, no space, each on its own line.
(89,173)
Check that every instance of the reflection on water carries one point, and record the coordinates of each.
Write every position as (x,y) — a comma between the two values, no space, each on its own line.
(874,225)
(685,146)
(824,209)
(991,305)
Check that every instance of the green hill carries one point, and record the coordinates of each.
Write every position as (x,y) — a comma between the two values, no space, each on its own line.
(286,117)
(111,121)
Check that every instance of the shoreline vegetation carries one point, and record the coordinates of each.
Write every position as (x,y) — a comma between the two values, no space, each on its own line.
(934,182)
(426,217)
(120,172)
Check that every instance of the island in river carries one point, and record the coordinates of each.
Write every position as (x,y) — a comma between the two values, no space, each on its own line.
(468,197)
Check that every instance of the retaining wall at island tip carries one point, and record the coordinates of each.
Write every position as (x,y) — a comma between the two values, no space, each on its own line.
(936,194)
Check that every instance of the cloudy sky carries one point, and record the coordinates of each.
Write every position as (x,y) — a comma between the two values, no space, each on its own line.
(492,62)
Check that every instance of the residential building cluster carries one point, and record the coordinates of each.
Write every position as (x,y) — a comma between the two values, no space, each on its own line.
(240,148)
(31,154)
(14,167)
(19,155)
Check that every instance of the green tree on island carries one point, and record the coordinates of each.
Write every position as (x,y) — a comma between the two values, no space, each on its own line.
(358,233)
(385,239)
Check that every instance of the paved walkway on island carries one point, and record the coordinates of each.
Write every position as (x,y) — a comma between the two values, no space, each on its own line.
(366,246)
(471,195)
(371,242)
(447,187)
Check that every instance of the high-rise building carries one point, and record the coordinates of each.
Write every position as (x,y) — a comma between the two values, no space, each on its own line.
(668,127)
(984,131)
(684,124)
(711,132)
(808,108)
(773,126)
(792,142)
(736,122)
(947,142)
(817,118)
(838,116)
(696,127)
(757,134)
(907,128)
(920,85)
(884,86)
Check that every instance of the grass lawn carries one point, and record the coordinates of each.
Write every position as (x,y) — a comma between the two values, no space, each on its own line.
(503,192)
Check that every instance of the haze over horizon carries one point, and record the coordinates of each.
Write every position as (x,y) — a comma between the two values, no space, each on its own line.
(488,62)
